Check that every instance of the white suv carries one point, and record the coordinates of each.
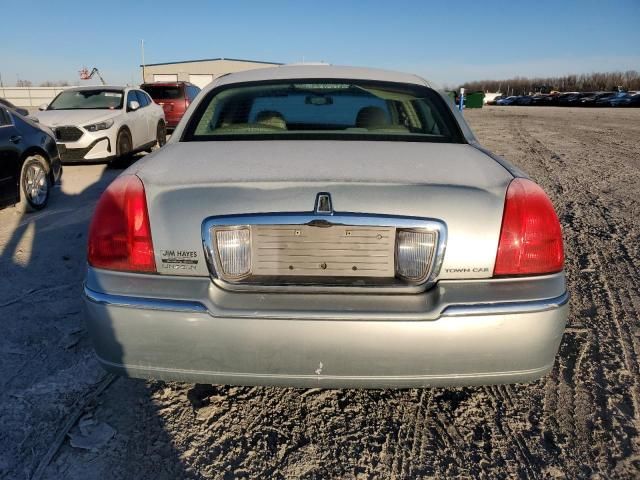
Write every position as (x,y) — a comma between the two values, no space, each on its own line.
(103,123)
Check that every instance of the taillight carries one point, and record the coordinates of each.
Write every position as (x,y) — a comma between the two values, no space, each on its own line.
(120,236)
(531,239)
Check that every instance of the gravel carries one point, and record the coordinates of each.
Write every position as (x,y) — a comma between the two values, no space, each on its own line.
(581,421)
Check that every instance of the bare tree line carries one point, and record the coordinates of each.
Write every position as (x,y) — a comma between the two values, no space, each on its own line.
(586,82)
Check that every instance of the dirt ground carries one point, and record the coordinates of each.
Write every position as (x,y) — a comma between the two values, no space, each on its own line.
(581,421)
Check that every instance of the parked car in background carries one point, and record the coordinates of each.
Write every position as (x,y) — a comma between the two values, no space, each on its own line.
(29,162)
(621,99)
(173,97)
(494,100)
(8,104)
(604,99)
(329,227)
(524,100)
(543,99)
(589,99)
(507,100)
(103,123)
(569,99)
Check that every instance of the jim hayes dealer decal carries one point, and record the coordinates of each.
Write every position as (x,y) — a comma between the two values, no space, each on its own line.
(179,259)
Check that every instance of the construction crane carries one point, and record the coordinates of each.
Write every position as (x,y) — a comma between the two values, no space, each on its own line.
(86,75)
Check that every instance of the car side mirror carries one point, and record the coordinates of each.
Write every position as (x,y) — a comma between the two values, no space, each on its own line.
(43,107)
(23,111)
(133,106)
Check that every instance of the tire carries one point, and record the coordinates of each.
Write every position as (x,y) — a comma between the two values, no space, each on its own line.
(161,134)
(35,184)
(124,145)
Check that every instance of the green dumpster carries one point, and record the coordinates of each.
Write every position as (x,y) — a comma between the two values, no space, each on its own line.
(473,100)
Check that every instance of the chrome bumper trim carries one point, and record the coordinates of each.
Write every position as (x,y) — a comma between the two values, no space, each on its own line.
(505,308)
(437,227)
(144,303)
(461,310)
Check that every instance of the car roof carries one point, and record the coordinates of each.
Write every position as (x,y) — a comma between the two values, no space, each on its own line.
(176,83)
(97,87)
(301,72)
(6,103)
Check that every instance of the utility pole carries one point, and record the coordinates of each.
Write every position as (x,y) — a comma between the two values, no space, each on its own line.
(142,48)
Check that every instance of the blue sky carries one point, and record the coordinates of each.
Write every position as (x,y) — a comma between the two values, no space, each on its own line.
(448,42)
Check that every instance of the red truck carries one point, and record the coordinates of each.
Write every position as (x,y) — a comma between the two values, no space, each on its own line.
(173,97)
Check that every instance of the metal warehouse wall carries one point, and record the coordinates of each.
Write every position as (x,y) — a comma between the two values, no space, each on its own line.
(214,68)
(29,96)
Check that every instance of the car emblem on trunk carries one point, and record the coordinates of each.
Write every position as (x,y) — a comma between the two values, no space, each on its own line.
(323,204)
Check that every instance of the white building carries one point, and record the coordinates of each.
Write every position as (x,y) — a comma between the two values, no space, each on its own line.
(198,72)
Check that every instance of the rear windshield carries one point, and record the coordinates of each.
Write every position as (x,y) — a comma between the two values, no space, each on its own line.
(99,99)
(323,109)
(164,92)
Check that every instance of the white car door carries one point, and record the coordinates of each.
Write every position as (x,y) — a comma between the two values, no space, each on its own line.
(150,114)
(136,121)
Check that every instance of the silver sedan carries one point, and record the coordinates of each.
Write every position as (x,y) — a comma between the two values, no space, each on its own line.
(325,226)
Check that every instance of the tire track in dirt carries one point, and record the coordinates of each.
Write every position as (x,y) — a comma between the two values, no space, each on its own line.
(421,425)
(557,391)
(617,262)
(500,405)
(398,467)
(605,263)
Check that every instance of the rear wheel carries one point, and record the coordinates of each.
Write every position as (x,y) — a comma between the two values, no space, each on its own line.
(161,134)
(35,184)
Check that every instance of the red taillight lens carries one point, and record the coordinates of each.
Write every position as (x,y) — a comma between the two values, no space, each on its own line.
(120,236)
(531,239)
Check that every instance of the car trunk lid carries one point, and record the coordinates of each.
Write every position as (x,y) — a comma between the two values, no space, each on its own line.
(187,183)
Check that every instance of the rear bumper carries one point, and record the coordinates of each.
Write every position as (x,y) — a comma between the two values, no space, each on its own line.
(465,344)
(172,120)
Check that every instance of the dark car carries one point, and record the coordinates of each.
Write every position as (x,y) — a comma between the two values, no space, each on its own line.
(174,97)
(29,162)
(507,100)
(569,99)
(524,100)
(605,99)
(7,103)
(543,99)
(621,99)
(591,99)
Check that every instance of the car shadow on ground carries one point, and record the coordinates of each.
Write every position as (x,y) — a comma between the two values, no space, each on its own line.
(47,365)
